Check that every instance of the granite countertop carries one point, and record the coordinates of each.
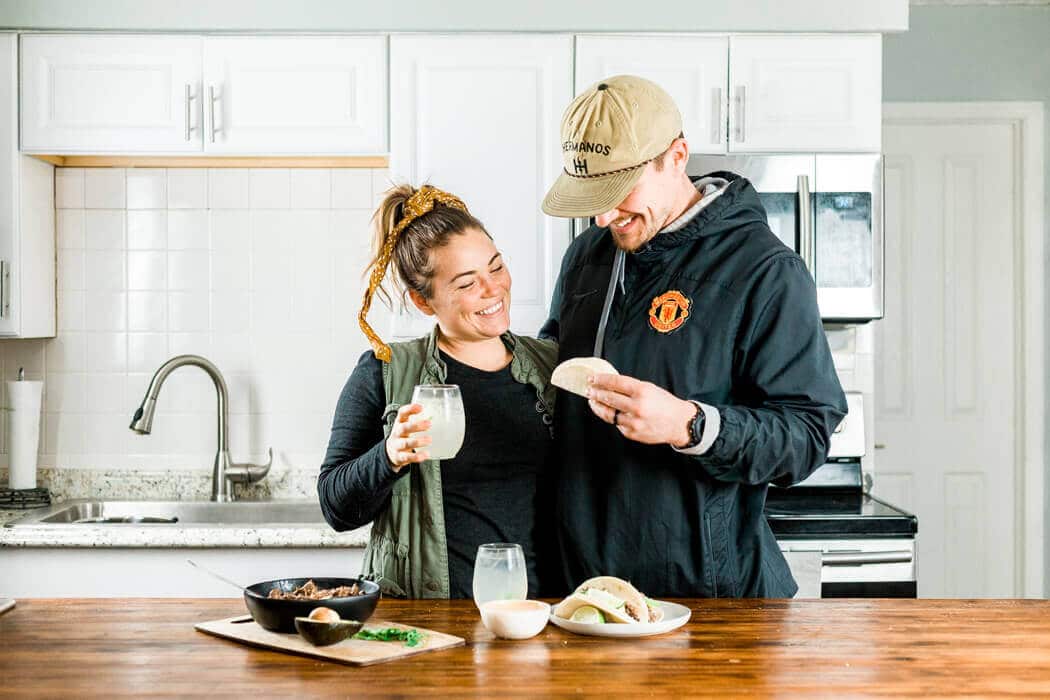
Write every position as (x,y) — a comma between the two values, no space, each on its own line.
(126,485)
(160,535)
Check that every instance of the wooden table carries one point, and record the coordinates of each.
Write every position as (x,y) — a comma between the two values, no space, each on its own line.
(115,647)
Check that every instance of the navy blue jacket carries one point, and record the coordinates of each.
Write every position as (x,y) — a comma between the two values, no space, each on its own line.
(752,345)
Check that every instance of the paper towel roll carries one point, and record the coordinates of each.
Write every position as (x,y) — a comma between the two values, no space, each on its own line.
(23,432)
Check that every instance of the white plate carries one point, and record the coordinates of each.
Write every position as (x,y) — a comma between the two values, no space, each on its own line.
(675,616)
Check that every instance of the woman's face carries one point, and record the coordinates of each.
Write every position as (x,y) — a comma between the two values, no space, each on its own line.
(470,289)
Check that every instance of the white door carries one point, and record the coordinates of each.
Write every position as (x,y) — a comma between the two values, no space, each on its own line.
(950,357)
(110,93)
(693,69)
(479,116)
(302,95)
(805,93)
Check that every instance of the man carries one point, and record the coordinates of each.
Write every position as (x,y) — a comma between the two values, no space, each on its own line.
(726,381)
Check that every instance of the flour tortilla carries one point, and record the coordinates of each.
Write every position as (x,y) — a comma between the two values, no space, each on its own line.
(603,593)
(572,375)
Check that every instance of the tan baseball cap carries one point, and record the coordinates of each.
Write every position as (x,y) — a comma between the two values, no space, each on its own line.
(608,134)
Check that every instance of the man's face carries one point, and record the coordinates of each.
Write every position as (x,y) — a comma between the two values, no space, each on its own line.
(646,209)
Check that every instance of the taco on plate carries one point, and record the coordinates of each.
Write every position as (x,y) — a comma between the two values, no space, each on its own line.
(618,601)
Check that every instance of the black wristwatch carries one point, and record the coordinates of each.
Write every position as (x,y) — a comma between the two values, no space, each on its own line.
(696,428)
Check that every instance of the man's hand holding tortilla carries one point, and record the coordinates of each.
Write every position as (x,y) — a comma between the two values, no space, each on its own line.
(646,413)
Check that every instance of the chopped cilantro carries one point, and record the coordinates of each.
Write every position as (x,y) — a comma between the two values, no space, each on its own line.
(411,638)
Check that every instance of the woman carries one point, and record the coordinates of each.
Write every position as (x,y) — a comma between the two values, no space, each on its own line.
(429,517)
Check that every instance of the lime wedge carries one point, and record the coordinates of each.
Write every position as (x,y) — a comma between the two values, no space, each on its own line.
(587,614)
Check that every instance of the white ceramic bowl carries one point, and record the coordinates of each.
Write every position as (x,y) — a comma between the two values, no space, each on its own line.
(515,619)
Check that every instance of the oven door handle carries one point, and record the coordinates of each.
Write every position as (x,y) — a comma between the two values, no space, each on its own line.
(861,558)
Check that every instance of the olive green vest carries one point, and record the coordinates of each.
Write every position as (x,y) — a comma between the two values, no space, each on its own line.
(407,554)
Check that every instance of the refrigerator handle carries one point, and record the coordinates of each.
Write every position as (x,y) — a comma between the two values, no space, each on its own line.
(807,235)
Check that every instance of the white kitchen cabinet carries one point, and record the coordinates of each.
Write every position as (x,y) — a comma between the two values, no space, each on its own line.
(478,116)
(693,69)
(27,220)
(164,94)
(301,95)
(110,94)
(161,572)
(805,93)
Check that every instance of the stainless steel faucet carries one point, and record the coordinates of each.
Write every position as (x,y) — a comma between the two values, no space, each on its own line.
(226,473)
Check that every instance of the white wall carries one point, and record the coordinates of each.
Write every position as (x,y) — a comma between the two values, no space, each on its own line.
(257,270)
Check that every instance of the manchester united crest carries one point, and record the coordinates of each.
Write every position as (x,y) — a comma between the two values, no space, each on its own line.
(669,311)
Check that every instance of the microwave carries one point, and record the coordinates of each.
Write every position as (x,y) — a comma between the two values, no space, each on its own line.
(828,209)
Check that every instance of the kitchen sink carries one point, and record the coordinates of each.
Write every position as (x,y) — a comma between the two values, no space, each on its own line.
(181,513)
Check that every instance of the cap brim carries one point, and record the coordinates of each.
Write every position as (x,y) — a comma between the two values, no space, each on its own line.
(581,197)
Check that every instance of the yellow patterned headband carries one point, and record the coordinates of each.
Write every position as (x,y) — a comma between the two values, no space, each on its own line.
(421,202)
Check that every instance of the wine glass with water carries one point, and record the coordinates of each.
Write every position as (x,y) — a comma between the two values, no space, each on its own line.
(443,407)
(499,573)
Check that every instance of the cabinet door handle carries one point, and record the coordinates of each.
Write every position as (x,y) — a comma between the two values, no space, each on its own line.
(741,111)
(188,101)
(211,110)
(5,289)
(716,115)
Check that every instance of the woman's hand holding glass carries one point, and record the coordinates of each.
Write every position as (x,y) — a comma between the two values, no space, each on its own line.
(403,445)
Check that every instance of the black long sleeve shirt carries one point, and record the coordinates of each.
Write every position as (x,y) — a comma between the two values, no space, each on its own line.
(488,489)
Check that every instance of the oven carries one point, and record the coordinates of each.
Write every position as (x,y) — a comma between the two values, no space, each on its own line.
(841,541)
(827,208)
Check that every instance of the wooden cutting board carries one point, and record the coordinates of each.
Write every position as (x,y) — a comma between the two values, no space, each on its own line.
(356,652)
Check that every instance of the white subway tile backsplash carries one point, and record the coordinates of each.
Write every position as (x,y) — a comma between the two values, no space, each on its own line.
(147,270)
(148,229)
(189,270)
(104,229)
(106,392)
(65,392)
(64,436)
(188,390)
(270,188)
(188,230)
(188,312)
(310,189)
(254,270)
(231,230)
(239,387)
(71,305)
(69,188)
(104,188)
(107,352)
(187,189)
(148,311)
(147,188)
(351,189)
(230,271)
(228,188)
(230,311)
(232,352)
(110,435)
(69,227)
(105,311)
(70,269)
(104,270)
(147,351)
(67,352)
(190,344)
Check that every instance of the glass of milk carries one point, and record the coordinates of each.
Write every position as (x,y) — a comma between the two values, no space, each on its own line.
(443,407)
(499,573)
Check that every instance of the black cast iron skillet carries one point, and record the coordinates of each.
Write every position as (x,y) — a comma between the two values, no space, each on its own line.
(279,615)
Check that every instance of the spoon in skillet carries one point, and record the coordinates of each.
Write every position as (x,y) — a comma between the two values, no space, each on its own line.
(246,618)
